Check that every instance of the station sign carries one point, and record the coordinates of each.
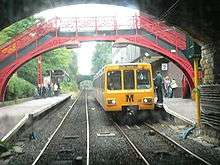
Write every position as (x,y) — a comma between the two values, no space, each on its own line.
(164,66)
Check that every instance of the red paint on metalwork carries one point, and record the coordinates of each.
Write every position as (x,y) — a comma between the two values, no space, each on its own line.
(96,25)
(39,71)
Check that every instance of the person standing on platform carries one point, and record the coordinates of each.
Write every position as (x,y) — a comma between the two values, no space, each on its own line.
(167,82)
(173,86)
(49,90)
(55,88)
(159,87)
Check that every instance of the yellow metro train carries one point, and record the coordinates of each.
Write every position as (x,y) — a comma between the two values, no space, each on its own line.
(121,87)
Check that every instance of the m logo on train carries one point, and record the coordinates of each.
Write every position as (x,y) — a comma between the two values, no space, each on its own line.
(129,98)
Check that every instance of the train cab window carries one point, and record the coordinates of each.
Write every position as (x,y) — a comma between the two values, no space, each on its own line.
(143,79)
(129,79)
(114,80)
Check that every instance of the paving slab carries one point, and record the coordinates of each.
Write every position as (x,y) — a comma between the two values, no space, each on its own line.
(13,114)
(181,108)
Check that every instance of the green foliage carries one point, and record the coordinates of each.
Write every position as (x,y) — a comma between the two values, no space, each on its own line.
(4,146)
(102,56)
(68,86)
(60,58)
(28,71)
(16,28)
(19,88)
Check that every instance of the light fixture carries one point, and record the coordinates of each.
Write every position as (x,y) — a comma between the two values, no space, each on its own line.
(72,44)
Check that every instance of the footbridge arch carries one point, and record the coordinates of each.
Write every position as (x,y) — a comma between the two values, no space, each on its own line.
(142,30)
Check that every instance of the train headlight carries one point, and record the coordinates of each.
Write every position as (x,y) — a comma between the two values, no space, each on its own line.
(111,101)
(147,100)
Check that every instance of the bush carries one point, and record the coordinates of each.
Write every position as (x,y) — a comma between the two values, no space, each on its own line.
(19,88)
(68,87)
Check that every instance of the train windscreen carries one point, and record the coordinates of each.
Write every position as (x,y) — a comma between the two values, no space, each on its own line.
(143,79)
(129,79)
(114,80)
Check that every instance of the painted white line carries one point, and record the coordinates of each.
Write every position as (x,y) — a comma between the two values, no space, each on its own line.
(16,128)
(26,117)
(105,134)
(167,109)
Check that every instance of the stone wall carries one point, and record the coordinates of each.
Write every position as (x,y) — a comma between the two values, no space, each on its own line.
(207,63)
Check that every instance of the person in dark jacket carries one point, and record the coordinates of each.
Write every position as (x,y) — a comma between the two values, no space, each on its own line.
(159,87)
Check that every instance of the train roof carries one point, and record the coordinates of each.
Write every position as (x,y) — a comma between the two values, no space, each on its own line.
(122,64)
(127,64)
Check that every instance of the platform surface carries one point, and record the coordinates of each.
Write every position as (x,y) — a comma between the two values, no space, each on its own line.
(181,108)
(11,115)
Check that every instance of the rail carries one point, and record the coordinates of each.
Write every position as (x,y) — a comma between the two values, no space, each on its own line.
(131,143)
(52,135)
(177,144)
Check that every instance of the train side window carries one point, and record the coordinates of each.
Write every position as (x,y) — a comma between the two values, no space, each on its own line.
(143,79)
(129,79)
(102,81)
(114,80)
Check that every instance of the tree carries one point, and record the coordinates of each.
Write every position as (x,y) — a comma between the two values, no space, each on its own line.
(102,56)
(60,58)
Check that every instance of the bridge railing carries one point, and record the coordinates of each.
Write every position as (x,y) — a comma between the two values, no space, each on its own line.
(93,24)
(25,38)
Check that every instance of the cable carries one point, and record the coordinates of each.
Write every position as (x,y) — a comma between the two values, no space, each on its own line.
(163,15)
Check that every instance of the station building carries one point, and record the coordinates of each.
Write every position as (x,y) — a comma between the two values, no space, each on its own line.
(132,53)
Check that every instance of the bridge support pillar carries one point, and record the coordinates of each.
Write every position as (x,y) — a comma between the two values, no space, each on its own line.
(197,93)
(39,70)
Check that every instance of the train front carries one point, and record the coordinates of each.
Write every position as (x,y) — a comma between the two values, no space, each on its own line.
(129,87)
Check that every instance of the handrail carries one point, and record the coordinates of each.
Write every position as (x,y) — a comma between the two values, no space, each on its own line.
(153,26)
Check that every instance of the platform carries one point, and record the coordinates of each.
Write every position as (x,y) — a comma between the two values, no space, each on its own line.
(181,108)
(11,115)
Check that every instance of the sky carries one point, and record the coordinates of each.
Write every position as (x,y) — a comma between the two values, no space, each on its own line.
(86,49)
(84,57)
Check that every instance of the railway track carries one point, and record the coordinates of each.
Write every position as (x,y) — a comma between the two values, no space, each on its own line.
(59,148)
(200,159)
(187,157)
(108,142)
(132,144)
(160,141)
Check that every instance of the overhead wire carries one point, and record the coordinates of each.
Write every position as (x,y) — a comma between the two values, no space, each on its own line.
(169,10)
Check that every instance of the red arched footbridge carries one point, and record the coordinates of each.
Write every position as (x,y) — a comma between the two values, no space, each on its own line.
(142,30)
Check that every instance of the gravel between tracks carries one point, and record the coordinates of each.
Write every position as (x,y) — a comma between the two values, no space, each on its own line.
(107,145)
(156,149)
(107,149)
(43,128)
(207,151)
(69,143)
